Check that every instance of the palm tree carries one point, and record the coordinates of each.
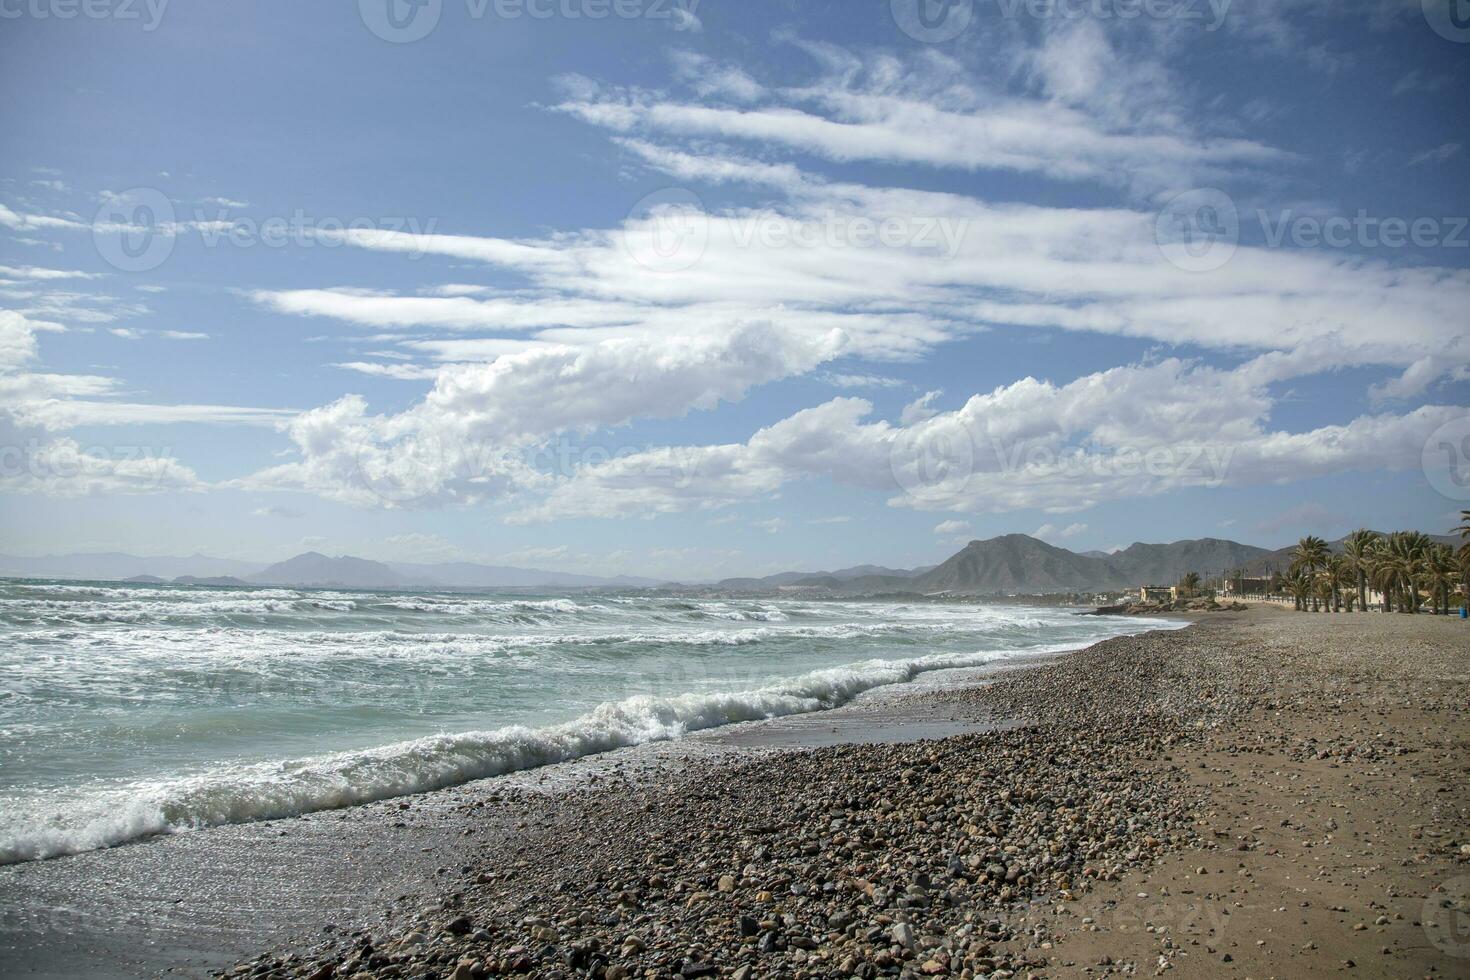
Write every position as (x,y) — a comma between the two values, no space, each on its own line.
(1310,556)
(1358,548)
(1383,576)
(1439,570)
(1384,572)
(1299,585)
(1464,529)
(1342,573)
(1189,584)
(1462,556)
(1402,568)
(1324,590)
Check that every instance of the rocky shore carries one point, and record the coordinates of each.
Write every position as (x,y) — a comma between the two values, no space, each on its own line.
(1006,853)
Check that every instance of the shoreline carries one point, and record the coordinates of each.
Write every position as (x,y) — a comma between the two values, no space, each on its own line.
(179,897)
(981,847)
(305,777)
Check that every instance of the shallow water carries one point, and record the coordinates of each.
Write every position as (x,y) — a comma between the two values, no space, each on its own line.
(132,710)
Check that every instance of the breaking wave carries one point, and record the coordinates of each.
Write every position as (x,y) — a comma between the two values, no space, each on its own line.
(281,789)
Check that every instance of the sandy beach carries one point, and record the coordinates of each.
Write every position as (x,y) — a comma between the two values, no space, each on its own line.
(1262,794)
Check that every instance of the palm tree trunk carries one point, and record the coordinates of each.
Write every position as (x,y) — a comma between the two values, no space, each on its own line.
(1362,591)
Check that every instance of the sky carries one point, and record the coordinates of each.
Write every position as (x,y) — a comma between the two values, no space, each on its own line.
(696,289)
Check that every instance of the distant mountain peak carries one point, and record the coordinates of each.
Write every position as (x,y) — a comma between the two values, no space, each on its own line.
(312,568)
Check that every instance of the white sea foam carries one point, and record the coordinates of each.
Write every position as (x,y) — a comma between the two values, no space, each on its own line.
(273,790)
(132,711)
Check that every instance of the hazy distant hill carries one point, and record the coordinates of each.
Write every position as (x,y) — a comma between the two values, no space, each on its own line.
(1008,564)
(842,578)
(1019,563)
(311,568)
(116,566)
(464,574)
(229,580)
(315,568)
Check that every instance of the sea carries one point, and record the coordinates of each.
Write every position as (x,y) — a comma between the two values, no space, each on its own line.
(133,710)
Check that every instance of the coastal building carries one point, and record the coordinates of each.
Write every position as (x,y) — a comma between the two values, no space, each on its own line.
(1158,593)
(1247,586)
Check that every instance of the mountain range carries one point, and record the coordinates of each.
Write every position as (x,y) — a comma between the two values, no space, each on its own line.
(308,569)
(1019,563)
(1010,564)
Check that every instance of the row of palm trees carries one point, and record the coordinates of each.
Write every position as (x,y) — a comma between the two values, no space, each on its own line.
(1408,569)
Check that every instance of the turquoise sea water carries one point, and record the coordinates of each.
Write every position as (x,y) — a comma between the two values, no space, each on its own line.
(131,710)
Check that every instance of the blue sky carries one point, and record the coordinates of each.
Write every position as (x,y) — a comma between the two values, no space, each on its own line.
(705,289)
